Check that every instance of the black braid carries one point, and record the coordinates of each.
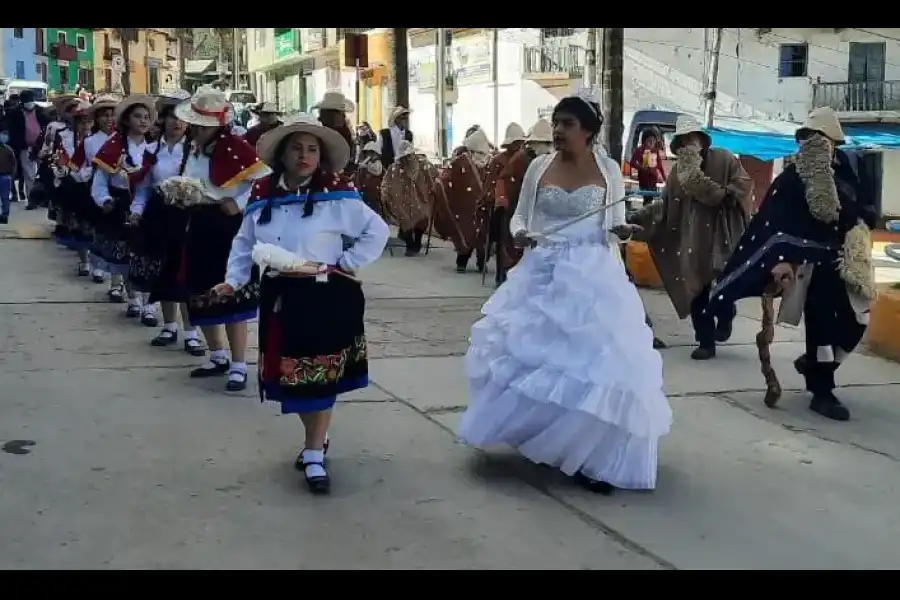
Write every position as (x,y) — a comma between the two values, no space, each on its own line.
(317,182)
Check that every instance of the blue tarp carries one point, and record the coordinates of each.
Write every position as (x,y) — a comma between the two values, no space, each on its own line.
(769,146)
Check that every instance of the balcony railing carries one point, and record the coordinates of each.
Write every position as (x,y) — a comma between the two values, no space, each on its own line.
(554,60)
(857,97)
(63,51)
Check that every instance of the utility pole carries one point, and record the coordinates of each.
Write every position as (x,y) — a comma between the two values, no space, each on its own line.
(590,55)
(495,76)
(236,58)
(709,109)
(613,92)
(182,78)
(401,68)
(440,86)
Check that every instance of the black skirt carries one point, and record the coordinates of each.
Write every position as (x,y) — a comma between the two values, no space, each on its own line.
(112,234)
(312,341)
(147,244)
(204,258)
(164,233)
(80,209)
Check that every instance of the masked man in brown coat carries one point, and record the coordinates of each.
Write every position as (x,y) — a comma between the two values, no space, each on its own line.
(691,234)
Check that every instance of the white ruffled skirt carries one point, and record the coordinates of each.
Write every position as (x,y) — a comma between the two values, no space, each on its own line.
(562,367)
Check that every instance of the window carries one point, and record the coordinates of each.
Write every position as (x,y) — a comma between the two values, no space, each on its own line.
(18,32)
(20,69)
(105,43)
(39,41)
(107,80)
(84,78)
(557,33)
(151,43)
(81,42)
(64,77)
(793,60)
(153,74)
(61,37)
(41,70)
(260,37)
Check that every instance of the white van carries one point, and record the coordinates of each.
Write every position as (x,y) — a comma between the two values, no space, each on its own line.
(17,86)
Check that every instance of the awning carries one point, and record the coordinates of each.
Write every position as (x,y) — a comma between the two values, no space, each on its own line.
(766,145)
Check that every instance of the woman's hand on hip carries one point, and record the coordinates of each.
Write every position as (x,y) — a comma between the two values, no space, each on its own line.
(221,290)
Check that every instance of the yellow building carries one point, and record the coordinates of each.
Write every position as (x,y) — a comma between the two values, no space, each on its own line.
(375,80)
(151,62)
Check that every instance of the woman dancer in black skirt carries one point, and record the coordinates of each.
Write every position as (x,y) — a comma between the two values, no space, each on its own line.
(103,113)
(122,164)
(161,231)
(311,332)
(76,209)
(224,166)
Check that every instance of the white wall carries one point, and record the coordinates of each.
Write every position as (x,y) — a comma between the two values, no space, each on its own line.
(890,183)
(665,67)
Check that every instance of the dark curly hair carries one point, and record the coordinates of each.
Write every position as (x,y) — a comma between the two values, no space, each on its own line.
(587,113)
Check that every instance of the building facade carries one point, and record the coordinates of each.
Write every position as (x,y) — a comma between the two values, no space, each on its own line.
(294,67)
(69,60)
(17,48)
(151,64)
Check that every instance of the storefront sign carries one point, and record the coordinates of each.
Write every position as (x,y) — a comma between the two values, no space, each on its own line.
(285,44)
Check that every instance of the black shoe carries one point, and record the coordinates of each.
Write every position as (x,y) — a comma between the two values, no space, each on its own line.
(194,347)
(149,320)
(411,253)
(800,365)
(31,206)
(83,270)
(703,353)
(827,405)
(658,344)
(217,369)
(320,484)
(236,385)
(460,269)
(97,278)
(593,485)
(4,220)
(132,311)
(165,337)
(117,295)
(723,330)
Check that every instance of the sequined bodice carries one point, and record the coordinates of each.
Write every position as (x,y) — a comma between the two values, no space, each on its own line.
(554,205)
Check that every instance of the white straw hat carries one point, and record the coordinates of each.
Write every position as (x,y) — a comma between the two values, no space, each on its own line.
(824,120)
(266,108)
(685,125)
(478,142)
(334,146)
(541,132)
(171,99)
(335,100)
(399,112)
(103,101)
(514,133)
(137,100)
(208,107)
(406,149)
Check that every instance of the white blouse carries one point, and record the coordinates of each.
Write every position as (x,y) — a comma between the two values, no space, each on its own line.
(102,180)
(316,238)
(197,167)
(168,162)
(92,144)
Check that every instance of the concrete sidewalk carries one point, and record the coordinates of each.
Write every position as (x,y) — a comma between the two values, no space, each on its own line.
(113,458)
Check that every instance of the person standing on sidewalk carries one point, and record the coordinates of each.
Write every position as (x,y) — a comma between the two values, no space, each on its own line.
(224,167)
(25,128)
(691,234)
(312,336)
(333,111)
(269,117)
(812,240)
(8,166)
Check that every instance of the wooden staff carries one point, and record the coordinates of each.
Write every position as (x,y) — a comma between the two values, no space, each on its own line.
(764,341)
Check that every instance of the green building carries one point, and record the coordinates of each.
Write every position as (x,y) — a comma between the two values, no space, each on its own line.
(70,58)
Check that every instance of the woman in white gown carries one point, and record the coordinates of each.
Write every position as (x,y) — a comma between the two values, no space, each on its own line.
(562,365)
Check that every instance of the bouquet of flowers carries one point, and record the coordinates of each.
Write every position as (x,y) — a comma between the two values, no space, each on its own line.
(184,192)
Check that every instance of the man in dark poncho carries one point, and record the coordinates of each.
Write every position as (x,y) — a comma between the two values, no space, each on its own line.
(811,243)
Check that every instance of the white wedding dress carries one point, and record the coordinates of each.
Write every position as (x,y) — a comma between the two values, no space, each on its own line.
(562,365)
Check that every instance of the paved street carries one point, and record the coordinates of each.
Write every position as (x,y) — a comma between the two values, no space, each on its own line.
(113,458)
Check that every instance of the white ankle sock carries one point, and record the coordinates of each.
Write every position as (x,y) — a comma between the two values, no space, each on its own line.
(171,327)
(239,366)
(218,356)
(314,456)
(189,334)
